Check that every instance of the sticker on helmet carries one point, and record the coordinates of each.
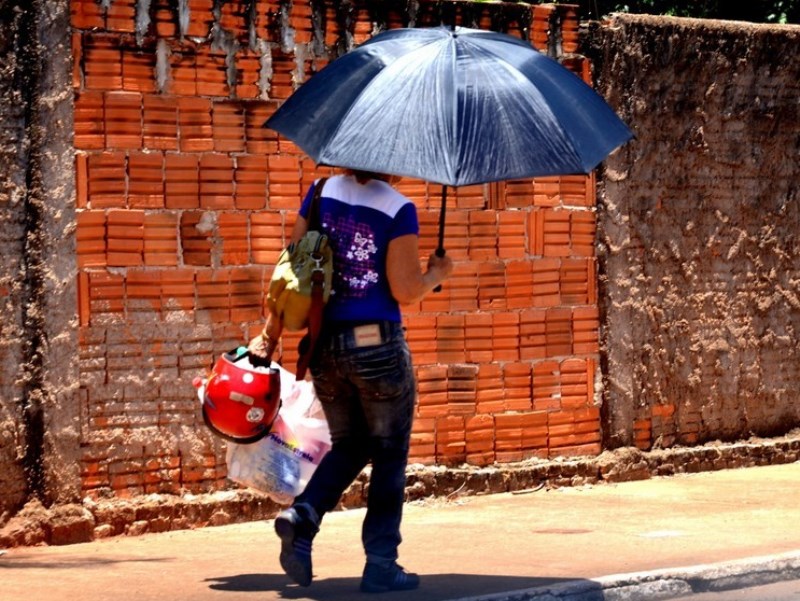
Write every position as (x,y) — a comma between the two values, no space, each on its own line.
(255,415)
(242,398)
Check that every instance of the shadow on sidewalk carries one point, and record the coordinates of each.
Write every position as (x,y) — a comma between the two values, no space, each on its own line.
(435,587)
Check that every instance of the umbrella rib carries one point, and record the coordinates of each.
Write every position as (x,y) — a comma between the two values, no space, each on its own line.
(531,84)
(452,151)
(335,131)
(546,77)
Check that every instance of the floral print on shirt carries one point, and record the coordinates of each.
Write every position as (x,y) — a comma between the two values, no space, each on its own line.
(354,256)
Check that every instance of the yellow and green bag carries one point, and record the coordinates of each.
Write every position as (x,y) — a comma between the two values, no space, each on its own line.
(301,281)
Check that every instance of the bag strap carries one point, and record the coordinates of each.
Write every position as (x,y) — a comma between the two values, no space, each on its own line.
(309,341)
(314,221)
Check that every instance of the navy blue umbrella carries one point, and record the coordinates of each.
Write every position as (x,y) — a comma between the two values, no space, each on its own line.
(454,106)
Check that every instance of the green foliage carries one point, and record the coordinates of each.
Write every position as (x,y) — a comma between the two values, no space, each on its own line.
(757,11)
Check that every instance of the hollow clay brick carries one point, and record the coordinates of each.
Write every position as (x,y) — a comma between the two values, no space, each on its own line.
(146,179)
(86,14)
(250,176)
(160,126)
(89,121)
(212,74)
(123,118)
(138,69)
(121,15)
(228,124)
(201,18)
(195,128)
(103,63)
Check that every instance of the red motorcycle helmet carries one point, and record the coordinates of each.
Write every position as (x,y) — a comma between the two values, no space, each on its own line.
(240,403)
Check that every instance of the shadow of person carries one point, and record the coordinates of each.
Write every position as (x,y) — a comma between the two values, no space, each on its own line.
(434,587)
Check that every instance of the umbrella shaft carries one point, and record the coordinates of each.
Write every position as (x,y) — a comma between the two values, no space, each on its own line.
(440,247)
(442,213)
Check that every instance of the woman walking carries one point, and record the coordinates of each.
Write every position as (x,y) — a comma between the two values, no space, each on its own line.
(362,370)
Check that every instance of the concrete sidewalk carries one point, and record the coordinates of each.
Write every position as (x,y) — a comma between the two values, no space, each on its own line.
(649,539)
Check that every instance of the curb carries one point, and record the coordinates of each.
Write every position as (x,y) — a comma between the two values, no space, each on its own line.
(661,585)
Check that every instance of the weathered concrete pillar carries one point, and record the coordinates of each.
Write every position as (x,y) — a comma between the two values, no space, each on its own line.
(39,409)
(697,228)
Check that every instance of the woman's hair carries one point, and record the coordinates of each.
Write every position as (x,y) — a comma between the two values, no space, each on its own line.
(362,177)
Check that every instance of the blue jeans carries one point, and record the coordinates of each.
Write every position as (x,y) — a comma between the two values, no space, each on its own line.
(368,395)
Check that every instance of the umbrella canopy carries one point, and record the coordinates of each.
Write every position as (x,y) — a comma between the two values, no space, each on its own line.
(454,106)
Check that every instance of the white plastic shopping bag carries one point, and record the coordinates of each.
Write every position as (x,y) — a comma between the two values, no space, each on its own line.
(281,463)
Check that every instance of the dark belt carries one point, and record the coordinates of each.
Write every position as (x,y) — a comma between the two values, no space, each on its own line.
(343,335)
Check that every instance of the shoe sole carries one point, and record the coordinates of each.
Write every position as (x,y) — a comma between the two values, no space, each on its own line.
(374,589)
(370,586)
(294,568)
(379,588)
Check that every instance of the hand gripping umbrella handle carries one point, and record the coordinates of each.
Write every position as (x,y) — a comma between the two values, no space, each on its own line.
(439,253)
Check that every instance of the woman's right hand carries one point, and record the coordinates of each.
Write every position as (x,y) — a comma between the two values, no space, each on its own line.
(261,349)
(441,265)
(264,344)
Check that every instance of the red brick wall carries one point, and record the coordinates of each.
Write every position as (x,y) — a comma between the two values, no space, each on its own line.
(184,202)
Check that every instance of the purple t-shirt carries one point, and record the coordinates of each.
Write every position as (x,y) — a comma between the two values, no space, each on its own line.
(360,221)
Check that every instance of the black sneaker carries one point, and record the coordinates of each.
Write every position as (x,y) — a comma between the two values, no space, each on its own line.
(377,579)
(296,535)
